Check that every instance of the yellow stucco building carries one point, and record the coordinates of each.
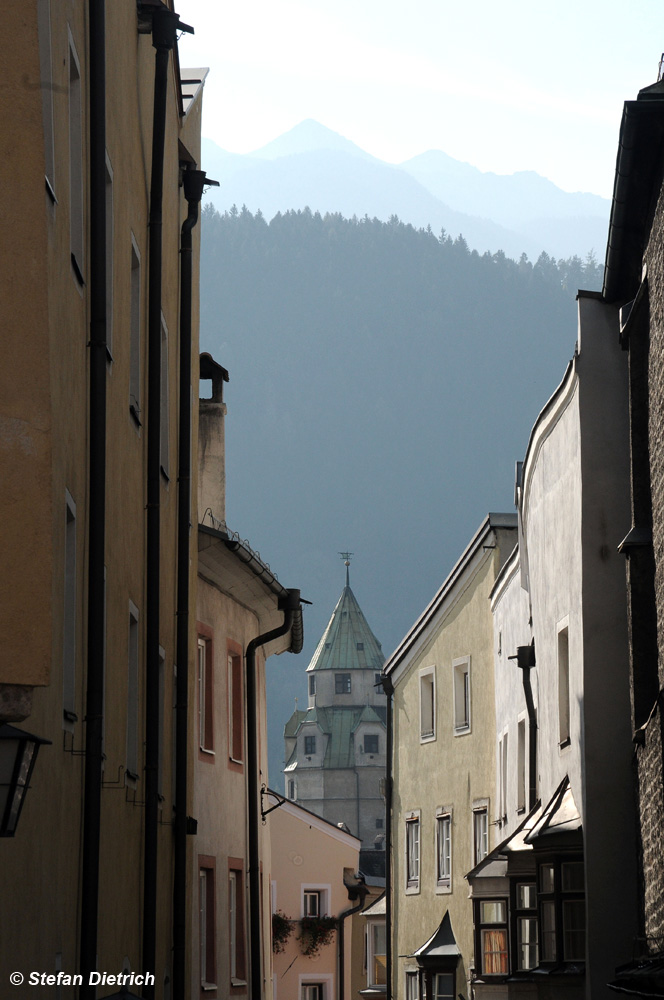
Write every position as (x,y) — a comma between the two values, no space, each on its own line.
(444,804)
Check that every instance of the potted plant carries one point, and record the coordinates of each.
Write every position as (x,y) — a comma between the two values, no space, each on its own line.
(282,928)
(316,933)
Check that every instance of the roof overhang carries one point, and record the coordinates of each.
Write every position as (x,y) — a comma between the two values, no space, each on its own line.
(639,164)
(234,569)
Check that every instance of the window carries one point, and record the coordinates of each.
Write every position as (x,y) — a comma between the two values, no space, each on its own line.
(312,991)
(461,672)
(563,688)
(370,744)
(443,986)
(427,704)
(562,911)
(292,790)
(412,986)
(521,765)
(378,683)
(162,707)
(444,850)
(342,683)
(206,924)
(413,852)
(132,695)
(109,259)
(502,777)
(69,618)
(312,903)
(480,834)
(205,696)
(163,401)
(360,645)
(379,823)
(75,165)
(493,936)
(135,335)
(309,745)
(376,953)
(46,82)
(527,956)
(312,684)
(235,707)
(236,939)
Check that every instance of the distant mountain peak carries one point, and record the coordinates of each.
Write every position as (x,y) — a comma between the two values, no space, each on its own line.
(307,137)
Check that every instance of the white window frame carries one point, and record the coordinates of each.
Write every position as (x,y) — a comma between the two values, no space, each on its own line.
(461,700)
(413,822)
(411,984)
(444,881)
(324,890)
(503,775)
(427,693)
(521,742)
(480,837)
(324,980)
(371,925)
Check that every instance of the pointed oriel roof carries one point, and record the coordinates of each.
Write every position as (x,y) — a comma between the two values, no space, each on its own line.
(347,643)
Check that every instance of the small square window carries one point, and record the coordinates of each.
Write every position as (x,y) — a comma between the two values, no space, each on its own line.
(360,645)
(342,683)
(379,823)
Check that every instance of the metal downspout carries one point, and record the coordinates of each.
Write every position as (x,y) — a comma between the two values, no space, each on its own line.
(193,181)
(388,688)
(361,890)
(164,27)
(525,660)
(96,503)
(290,604)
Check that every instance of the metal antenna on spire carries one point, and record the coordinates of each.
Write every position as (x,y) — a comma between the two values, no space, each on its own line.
(346,556)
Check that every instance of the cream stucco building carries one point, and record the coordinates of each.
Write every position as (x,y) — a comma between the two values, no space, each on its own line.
(444,802)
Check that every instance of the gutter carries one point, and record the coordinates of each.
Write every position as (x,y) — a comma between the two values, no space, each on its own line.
(388,688)
(165,24)
(525,660)
(193,181)
(94,713)
(361,890)
(290,605)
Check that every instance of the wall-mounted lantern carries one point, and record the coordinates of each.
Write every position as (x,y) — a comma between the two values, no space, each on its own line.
(18,753)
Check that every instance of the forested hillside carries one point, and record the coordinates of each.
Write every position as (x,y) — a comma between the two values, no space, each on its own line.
(384,381)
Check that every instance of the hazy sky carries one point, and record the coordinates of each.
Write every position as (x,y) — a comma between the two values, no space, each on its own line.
(521,85)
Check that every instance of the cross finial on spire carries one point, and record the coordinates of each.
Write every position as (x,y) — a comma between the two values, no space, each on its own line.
(346,556)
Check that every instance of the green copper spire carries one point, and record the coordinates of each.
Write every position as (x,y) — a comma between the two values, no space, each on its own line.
(347,643)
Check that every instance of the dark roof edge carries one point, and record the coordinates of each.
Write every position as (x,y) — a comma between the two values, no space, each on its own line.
(491,521)
(278,795)
(255,565)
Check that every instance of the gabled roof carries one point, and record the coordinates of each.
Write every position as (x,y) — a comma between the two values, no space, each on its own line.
(347,643)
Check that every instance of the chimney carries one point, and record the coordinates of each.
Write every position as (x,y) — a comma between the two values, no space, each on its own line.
(211,446)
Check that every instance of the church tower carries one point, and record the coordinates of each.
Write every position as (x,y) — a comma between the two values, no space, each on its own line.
(336,750)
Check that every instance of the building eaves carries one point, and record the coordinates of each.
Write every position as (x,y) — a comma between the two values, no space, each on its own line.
(636,187)
(313,819)
(491,521)
(236,570)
